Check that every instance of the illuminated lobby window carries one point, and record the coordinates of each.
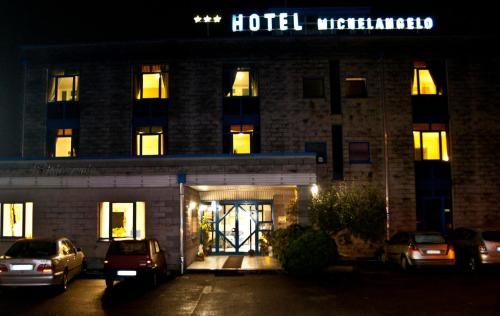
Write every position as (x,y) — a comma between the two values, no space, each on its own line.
(152,82)
(425,81)
(149,141)
(63,143)
(242,138)
(122,220)
(241,82)
(63,87)
(355,87)
(430,142)
(17,220)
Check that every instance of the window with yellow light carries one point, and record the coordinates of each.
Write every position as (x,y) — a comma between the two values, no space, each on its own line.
(63,87)
(243,83)
(423,83)
(122,220)
(430,142)
(242,138)
(149,141)
(63,143)
(17,220)
(152,82)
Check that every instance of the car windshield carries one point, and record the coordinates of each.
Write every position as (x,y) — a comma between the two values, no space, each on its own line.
(128,248)
(32,249)
(429,239)
(491,236)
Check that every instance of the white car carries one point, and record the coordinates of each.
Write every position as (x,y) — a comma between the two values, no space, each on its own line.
(41,262)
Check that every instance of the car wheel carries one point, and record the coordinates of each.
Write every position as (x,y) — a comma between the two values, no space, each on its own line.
(64,282)
(154,279)
(405,266)
(109,282)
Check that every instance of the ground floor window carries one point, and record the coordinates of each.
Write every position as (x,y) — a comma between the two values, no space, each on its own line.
(122,220)
(17,219)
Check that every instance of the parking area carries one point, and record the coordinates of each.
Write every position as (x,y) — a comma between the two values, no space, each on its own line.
(365,291)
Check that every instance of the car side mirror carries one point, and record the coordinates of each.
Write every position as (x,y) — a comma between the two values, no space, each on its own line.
(78,249)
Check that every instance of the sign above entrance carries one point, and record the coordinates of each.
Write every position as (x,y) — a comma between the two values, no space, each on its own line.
(292,22)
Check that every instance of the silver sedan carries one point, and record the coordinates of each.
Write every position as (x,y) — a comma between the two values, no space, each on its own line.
(41,262)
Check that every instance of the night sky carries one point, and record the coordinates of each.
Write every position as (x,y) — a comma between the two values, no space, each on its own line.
(57,22)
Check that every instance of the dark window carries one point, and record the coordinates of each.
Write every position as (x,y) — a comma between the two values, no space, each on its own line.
(355,87)
(336,106)
(63,86)
(313,87)
(32,248)
(337,152)
(359,152)
(492,236)
(319,148)
(128,248)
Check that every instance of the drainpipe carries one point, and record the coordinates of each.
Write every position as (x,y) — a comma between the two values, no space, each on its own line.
(181,225)
(386,150)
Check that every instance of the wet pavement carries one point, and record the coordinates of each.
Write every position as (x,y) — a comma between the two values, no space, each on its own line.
(359,291)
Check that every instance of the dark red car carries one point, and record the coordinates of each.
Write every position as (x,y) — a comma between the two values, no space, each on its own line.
(134,259)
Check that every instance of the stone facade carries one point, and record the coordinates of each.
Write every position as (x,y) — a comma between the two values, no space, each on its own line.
(287,122)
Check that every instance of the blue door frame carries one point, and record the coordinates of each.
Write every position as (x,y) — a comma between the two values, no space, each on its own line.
(236,207)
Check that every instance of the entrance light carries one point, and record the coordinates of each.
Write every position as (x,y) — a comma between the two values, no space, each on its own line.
(314,190)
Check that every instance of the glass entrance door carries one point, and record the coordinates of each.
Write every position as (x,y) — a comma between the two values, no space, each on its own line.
(237,226)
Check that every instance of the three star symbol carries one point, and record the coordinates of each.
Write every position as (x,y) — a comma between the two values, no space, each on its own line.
(207,19)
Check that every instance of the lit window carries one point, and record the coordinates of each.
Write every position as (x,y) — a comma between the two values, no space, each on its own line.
(122,220)
(355,87)
(359,152)
(424,80)
(63,143)
(63,87)
(17,220)
(152,82)
(149,141)
(242,138)
(430,142)
(313,88)
(241,82)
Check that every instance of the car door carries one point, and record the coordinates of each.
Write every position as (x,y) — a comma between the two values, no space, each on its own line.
(70,256)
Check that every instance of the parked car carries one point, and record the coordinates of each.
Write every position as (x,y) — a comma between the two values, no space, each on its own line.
(418,249)
(134,259)
(476,247)
(41,262)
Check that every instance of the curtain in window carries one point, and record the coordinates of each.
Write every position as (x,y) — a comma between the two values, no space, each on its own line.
(52,89)
(229,78)
(254,84)
(164,86)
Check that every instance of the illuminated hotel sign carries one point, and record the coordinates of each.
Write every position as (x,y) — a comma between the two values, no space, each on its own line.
(291,22)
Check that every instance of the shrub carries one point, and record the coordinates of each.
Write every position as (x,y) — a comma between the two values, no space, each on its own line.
(310,253)
(357,208)
(303,250)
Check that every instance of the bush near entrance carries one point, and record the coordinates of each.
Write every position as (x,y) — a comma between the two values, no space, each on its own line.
(353,208)
(303,250)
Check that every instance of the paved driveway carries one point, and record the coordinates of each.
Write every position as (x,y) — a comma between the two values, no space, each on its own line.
(370,292)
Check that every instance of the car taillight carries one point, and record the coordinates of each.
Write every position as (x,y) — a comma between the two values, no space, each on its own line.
(3,268)
(450,251)
(44,268)
(482,248)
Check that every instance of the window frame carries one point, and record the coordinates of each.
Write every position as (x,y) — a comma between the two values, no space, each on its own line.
(161,141)
(310,96)
(252,141)
(23,219)
(440,141)
(350,79)
(53,133)
(110,224)
(140,82)
(358,161)
(75,97)
(252,77)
